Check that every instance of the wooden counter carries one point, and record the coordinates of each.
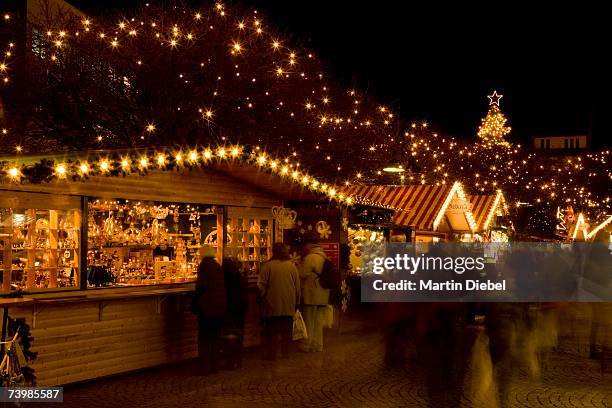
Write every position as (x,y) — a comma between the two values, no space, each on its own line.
(82,335)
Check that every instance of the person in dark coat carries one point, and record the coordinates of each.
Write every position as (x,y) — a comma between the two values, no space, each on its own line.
(210,305)
(237,301)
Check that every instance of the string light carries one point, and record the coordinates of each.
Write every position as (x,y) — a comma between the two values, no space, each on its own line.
(501,164)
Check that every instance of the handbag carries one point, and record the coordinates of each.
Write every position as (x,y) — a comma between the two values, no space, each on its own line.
(299,327)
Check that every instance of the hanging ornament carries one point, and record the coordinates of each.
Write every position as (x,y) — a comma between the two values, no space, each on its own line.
(285,217)
(323,229)
(159,212)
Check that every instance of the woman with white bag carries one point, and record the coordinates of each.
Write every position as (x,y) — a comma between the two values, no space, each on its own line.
(315,299)
(279,289)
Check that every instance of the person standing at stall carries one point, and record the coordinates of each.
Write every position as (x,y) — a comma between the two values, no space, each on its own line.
(279,289)
(315,298)
(210,305)
(237,303)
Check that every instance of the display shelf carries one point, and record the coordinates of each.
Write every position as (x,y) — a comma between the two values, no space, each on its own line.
(249,233)
(46,248)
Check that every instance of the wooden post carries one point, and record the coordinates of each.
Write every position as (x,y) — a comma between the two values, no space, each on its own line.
(7,257)
(30,268)
(80,251)
(220,235)
(53,245)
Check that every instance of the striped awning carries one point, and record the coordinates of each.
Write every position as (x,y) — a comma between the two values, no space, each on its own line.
(484,208)
(415,206)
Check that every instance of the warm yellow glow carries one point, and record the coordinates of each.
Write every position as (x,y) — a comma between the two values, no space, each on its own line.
(261,160)
(14,173)
(207,154)
(104,165)
(193,155)
(60,170)
(161,159)
(143,162)
(84,168)
(595,230)
(499,197)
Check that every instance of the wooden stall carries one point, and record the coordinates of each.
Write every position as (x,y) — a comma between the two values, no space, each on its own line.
(491,216)
(143,230)
(433,213)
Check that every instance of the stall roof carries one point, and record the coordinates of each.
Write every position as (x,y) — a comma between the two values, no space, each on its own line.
(242,169)
(421,207)
(484,207)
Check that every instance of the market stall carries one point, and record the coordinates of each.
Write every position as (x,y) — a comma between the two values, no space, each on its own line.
(432,212)
(110,259)
(490,213)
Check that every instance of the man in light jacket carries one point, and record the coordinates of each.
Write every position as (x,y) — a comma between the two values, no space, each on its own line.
(314,297)
(279,288)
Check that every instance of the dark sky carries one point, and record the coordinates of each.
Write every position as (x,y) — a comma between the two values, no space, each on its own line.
(438,61)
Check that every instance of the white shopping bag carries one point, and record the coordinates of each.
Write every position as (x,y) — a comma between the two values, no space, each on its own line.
(299,327)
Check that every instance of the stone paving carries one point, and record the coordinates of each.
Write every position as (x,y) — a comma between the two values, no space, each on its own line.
(349,373)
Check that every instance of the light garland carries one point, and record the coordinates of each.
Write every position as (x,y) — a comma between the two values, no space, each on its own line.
(499,199)
(166,159)
(330,116)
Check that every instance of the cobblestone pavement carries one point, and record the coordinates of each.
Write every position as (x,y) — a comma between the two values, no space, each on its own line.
(349,373)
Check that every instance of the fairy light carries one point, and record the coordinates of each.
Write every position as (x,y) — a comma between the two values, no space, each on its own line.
(14,173)
(499,163)
(83,168)
(60,170)
(104,165)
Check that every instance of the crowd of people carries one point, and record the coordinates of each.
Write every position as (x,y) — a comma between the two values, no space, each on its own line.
(285,286)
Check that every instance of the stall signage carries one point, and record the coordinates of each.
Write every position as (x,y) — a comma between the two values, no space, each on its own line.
(332,251)
(458,206)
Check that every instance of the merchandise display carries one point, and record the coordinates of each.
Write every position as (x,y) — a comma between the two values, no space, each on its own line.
(39,248)
(139,243)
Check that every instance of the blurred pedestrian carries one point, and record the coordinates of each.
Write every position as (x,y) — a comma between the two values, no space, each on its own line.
(237,303)
(279,289)
(315,298)
(210,305)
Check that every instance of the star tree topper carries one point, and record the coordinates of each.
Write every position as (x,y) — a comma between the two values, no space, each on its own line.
(494,98)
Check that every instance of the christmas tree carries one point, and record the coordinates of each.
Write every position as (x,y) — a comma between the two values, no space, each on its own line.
(493,128)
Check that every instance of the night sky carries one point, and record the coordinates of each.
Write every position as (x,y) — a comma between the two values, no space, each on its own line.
(438,61)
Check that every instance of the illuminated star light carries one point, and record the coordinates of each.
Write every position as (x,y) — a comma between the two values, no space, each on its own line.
(494,98)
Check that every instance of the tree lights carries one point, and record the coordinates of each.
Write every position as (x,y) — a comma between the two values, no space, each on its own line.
(208,77)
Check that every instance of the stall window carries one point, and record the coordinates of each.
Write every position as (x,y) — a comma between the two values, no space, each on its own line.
(141,243)
(250,237)
(39,248)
